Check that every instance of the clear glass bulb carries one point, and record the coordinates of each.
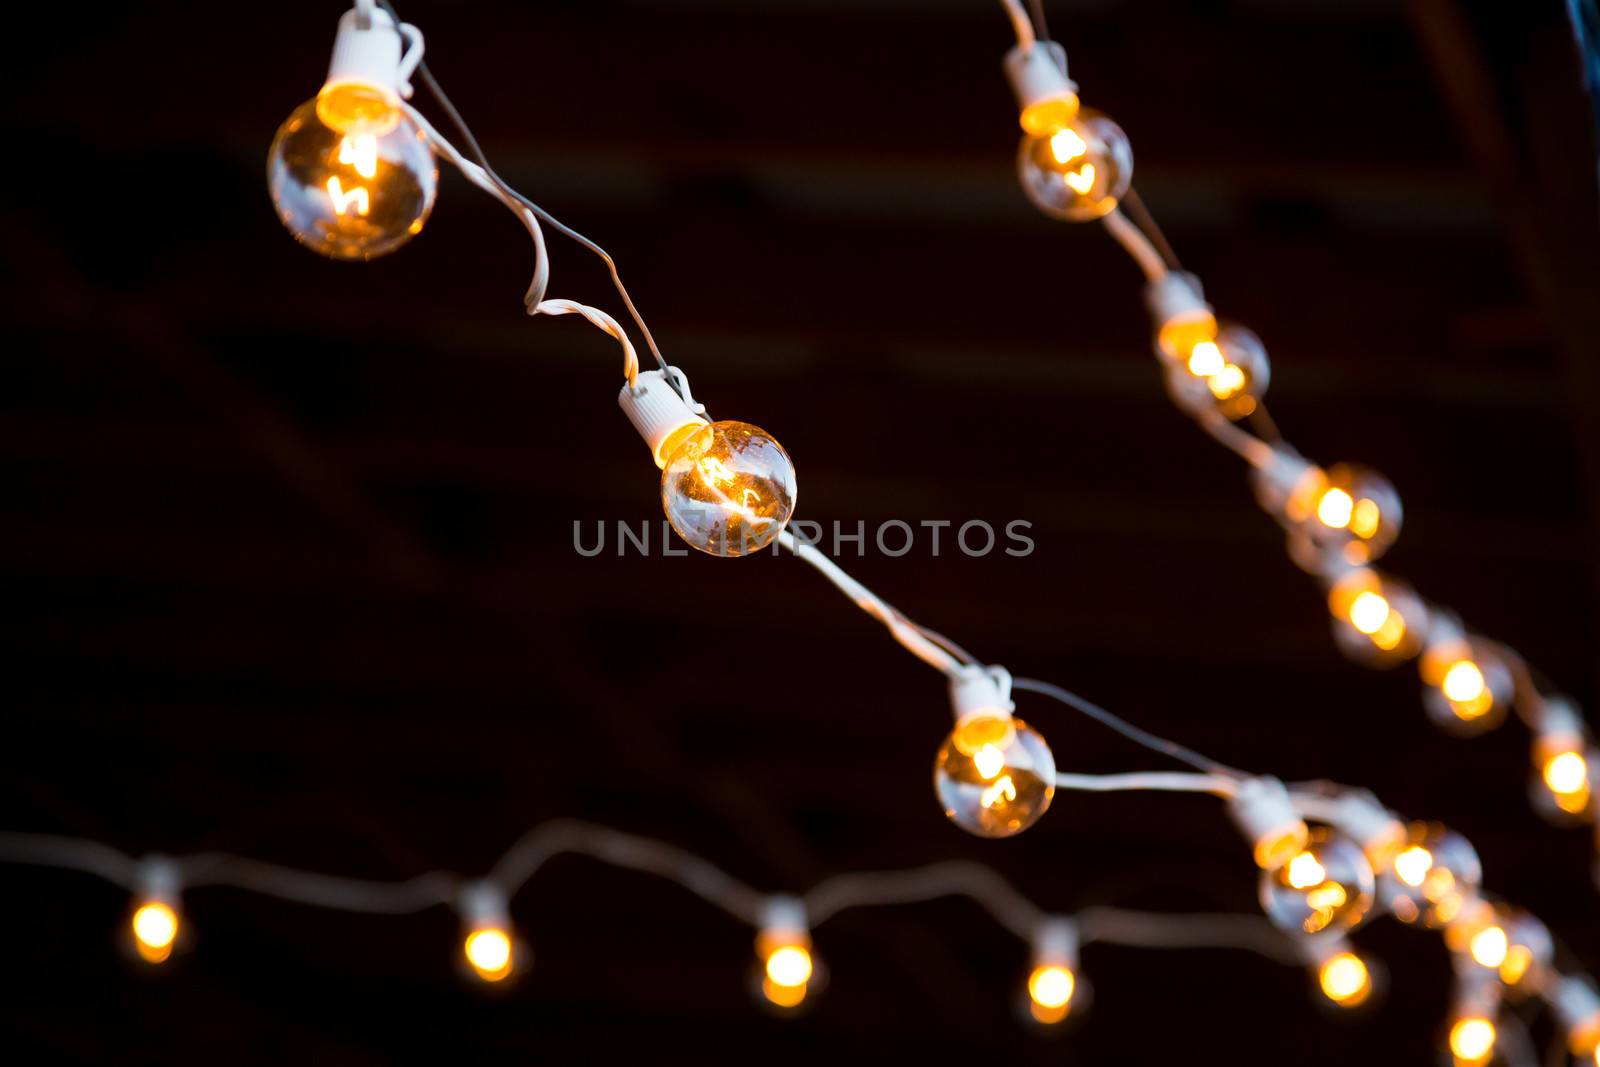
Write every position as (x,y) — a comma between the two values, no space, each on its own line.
(354,190)
(1345,979)
(1077,170)
(1227,370)
(994,775)
(728,489)
(1469,686)
(1563,780)
(1377,620)
(1505,941)
(1349,509)
(1328,885)
(1430,876)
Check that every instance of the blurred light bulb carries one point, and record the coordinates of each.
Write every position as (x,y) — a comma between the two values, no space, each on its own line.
(1507,941)
(1205,359)
(728,488)
(1345,979)
(1326,885)
(355,190)
(994,775)
(489,951)
(1567,773)
(1472,1040)
(1074,166)
(1348,509)
(1431,876)
(1376,619)
(783,947)
(1469,685)
(1050,989)
(155,930)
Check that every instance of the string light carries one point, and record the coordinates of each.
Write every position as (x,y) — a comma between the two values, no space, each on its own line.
(994,774)
(1053,980)
(1376,619)
(154,920)
(1327,885)
(1345,979)
(788,971)
(1504,941)
(1074,163)
(487,943)
(1468,684)
(1564,761)
(350,173)
(1431,876)
(1266,815)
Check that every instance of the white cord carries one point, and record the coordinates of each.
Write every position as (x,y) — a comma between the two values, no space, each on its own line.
(903,629)
(1142,929)
(1169,781)
(1020,23)
(630,358)
(1137,245)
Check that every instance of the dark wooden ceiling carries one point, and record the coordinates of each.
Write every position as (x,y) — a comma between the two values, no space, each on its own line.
(288,543)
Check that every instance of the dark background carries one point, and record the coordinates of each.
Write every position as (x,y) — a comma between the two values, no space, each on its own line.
(287,545)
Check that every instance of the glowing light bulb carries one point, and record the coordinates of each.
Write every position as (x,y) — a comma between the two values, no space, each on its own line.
(728,488)
(1050,989)
(1350,510)
(1504,940)
(1074,166)
(1205,359)
(1469,685)
(155,930)
(1431,876)
(1376,619)
(1345,979)
(1567,774)
(1472,1040)
(783,946)
(1326,885)
(351,179)
(490,953)
(994,775)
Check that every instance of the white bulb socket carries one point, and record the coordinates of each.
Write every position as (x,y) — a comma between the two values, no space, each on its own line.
(1560,728)
(1055,943)
(369,51)
(483,905)
(1265,814)
(659,414)
(980,692)
(1577,1009)
(783,920)
(1038,75)
(158,881)
(1278,478)
(1176,297)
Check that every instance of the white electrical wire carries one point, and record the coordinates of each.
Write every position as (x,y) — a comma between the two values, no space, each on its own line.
(1137,245)
(1144,930)
(1020,23)
(1216,784)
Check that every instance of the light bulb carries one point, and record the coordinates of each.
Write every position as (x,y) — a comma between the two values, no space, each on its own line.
(1050,989)
(1075,166)
(1469,686)
(490,953)
(788,972)
(1327,885)
(1345,979)
(994,775)
(1504,941)
(1376,619)
(1472,1040)
(1347,509)
(155,930)
(1431,876)
(351,176)
(1224,370)
(728,488)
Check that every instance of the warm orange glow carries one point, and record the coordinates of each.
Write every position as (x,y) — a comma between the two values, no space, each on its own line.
(155,929)
(1489,947)
(1472,1040)
(1334,509)
(789,966)
(1050,987)
(1412,865)
(1179,336)
(1464,687)
(352,108)
(1081,180)
(1567,773)
(1365,518)
(1345,979)
(1066,146)
(342,199)
(1227,382)
(361,152)
(1205,359)
(1305,871)
(1049,116)
(1273,852)
(488,950)
(990,761)
(1368,612)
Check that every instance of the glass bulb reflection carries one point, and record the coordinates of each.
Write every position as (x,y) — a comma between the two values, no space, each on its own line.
(728,489)
(1327,885)
(994,775)
(1431,876)
(1079,169)
(355,190)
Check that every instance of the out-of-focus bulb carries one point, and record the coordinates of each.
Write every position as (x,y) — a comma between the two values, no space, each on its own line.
(489,951)
(1264,812)
(1431,876)
(352,192)
(1348,509)
(1079,169)
(155,930)
(1567,775)
(783,948)
(1564,763)
(1050,990)
(994,775)
(728,489)
(1345,979)
(1468,684)
(1327,885)
(1508,942)
(1472,1040)
(1376,619)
